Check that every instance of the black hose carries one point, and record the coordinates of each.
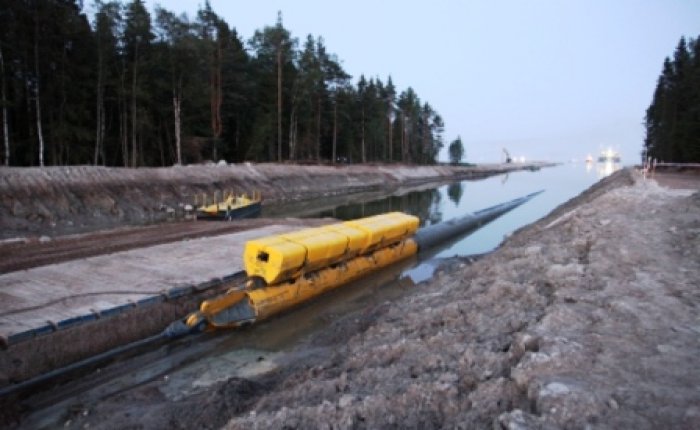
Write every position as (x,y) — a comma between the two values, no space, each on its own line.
(175,330)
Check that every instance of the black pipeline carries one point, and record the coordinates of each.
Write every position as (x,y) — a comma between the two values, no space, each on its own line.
(431,236)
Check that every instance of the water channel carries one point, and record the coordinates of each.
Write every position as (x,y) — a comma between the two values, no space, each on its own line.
(190,366)
(436,204)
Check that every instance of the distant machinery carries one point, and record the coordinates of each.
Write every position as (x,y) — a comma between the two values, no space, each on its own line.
(507,154)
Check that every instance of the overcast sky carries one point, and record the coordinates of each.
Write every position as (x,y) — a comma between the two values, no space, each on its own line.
(546,79)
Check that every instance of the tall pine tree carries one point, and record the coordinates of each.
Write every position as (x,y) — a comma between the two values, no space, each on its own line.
(672,120)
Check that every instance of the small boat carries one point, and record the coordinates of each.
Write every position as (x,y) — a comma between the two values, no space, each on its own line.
(232,207)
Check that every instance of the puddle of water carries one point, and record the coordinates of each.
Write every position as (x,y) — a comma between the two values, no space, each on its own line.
(423,271)
(241,363)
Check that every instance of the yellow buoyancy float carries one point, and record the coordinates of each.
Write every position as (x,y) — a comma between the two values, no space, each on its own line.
(241,307)
(286,256)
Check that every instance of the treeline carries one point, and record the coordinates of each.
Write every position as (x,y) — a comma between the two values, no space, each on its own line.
(673,118)
(135,89)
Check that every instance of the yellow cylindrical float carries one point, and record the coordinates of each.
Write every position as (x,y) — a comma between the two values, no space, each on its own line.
(273,299)
(287,256)
(240,307)
(298,266)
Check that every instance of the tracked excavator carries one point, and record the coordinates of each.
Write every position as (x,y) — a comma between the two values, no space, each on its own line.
(507,154)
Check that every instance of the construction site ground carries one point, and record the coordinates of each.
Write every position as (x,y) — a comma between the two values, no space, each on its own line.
(586,318)
(131,272)
(34,252)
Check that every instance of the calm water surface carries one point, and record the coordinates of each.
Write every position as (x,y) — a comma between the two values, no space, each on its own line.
(560,183)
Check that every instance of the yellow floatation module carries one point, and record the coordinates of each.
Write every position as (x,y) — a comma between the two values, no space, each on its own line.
(280,257)
(291,268)
(270,300)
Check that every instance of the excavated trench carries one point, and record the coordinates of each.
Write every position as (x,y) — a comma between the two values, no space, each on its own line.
(28,358)
(60,200)
(39,206)
(54,201)
(506,355)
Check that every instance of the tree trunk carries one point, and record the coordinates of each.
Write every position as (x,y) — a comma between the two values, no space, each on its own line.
(292,133)
(279,102)
(134,118)
(99,117)
(63,151)
(5,127)
(404,138)
(98,109)
(124,130)
(426,131)
(391,137)
(216,97)
(364,159)
(178,144)
(177,100)
(123,116)
(102,136)
(37,98)
(335,131)
(318,128)
(161,148)
(237,140)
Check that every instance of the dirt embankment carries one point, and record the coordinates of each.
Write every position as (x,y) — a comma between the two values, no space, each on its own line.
(586,318)
(59,200)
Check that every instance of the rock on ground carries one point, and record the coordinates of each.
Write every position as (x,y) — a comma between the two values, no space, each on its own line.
(588,318)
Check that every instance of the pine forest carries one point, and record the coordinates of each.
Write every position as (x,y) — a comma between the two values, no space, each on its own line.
(673,119)
(127,87)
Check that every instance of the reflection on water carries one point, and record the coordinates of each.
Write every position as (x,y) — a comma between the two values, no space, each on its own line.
(454,192)
(604,168)
(607,168)
(425,204)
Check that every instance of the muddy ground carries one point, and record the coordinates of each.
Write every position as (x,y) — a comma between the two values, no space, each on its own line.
(33,252)
(54,201)
(585,319)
